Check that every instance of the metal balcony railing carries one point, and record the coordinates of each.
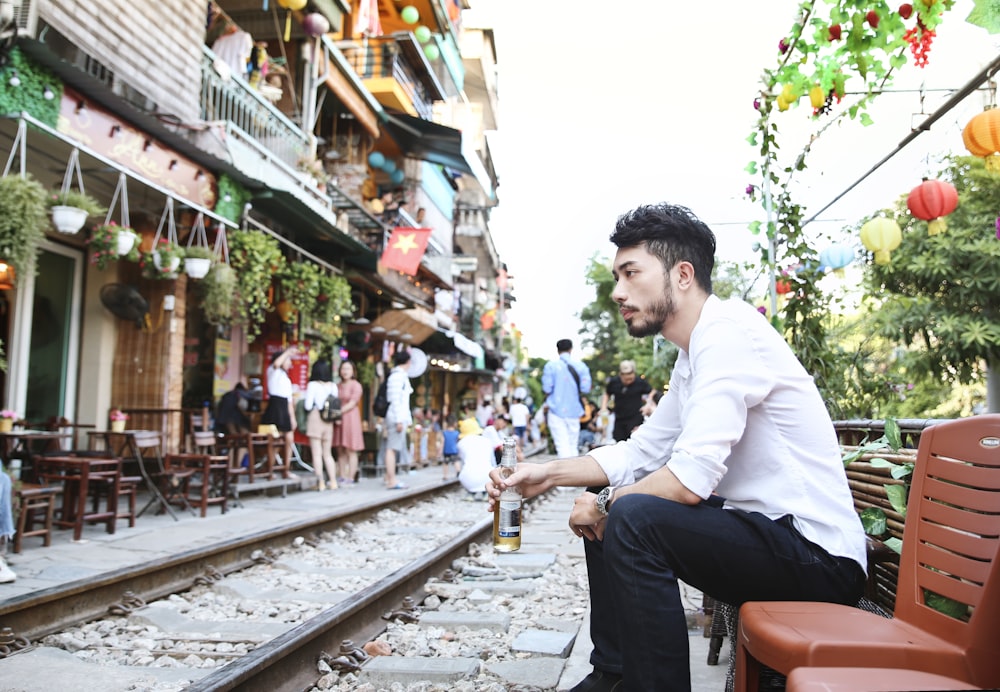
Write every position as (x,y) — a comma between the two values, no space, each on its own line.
(237,103)
(383,57)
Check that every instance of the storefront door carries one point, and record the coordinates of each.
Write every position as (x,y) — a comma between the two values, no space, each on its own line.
(46,336)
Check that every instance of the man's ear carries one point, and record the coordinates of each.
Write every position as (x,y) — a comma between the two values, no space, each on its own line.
(685,274)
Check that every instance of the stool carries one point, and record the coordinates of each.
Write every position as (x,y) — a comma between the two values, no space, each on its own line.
(34,498)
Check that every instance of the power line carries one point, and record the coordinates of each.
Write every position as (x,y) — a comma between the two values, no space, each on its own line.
(973,84)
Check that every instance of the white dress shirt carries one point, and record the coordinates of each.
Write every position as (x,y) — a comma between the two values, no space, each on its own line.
(743,419)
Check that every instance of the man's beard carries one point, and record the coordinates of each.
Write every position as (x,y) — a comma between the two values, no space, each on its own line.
(659,313)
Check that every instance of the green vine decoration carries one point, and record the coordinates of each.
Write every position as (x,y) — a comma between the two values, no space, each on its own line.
(232,197)
(29,95)
(255,258)
(833,46)
(332,304)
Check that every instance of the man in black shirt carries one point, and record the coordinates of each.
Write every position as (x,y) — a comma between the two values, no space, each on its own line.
(628,391)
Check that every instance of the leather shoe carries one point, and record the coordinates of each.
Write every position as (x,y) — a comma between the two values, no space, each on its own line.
(599,681)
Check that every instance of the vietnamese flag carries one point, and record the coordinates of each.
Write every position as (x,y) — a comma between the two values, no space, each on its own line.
(405,248)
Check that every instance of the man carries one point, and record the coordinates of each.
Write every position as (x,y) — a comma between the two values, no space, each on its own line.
(398,418)
(564,381)
(734,485)
(628,392)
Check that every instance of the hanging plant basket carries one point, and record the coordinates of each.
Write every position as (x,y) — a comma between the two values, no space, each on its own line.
(125,241)
(70,208)
(110,242)
(164,259)
(197,255)
(68,220)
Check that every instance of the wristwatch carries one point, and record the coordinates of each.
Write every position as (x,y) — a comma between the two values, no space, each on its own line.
(604,499)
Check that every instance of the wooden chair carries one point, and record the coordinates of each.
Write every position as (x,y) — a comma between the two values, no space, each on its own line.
(37,503)
(217,447)
(197,480)
(951,541)
(146,447)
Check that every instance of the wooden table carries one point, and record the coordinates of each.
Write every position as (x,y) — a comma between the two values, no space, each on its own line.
(76,473)
(28,443)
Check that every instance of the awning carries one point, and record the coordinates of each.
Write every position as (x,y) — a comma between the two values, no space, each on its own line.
(445,340)
(427,140)
(396,324)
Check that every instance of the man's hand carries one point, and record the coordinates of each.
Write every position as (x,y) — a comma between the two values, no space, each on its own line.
(530,479)
(585,520)
(399,427)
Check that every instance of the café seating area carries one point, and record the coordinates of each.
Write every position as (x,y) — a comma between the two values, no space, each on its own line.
(69,478)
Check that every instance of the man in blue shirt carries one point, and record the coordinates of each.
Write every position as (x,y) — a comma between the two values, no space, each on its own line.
(564,381)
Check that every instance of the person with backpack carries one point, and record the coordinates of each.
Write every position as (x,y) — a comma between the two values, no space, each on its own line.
(319,431)
(398,417)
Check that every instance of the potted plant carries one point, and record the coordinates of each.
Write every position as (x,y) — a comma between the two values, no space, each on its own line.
(22,222)
(197,261)
(218,292)
(71,208)
(162,261)
(109,242)
(118,419)
(7,418)
(255,258)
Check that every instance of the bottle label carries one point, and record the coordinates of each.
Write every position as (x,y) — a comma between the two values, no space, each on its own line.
(509,525)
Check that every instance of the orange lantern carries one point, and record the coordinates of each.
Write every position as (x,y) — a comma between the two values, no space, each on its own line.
(930,201)
(981,137)
(782,286)
(7,279)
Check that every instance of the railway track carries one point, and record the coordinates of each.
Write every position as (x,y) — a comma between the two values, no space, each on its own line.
(297,656)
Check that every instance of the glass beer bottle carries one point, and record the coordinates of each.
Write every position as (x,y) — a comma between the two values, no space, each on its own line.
(507,511)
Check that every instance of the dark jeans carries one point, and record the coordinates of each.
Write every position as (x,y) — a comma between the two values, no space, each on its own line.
(638,625)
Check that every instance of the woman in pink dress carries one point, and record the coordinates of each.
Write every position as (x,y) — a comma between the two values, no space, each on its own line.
(347,437)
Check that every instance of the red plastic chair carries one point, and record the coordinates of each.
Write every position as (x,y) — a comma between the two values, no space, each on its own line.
(951,541)
(869,680)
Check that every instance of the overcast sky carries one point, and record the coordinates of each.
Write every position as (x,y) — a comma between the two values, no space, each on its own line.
(605,106)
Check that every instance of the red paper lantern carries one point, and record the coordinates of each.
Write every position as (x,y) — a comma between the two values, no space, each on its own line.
(930,201)
(981,137)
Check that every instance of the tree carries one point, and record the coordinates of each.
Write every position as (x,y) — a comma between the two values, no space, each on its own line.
(941,293)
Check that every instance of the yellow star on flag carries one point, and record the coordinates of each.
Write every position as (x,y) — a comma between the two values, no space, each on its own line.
(405,242)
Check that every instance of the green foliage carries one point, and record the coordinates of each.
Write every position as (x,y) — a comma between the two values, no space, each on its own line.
(75,198)
(941,294)
(218,291)
(29,96)
(255,257)
(232,197)
(811,58)
(23,221)
(321,299)
(199,252)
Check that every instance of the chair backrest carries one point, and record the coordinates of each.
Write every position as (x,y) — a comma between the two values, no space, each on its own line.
(205,441)
(952,540)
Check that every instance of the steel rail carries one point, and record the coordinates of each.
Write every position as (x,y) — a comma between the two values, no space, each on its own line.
(288,662)
(47,611)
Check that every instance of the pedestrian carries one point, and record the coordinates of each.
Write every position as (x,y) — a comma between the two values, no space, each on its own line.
(564,382)
(589,426)
(280,410)
(230,416)
(475,458)
(319,431)
(348,437)
(520,414)
(7,575)
(398,418)
(735,484)
(450,445)
(626,393)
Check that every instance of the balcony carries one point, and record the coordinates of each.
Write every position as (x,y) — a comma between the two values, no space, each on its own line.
(244,109)
(394,69)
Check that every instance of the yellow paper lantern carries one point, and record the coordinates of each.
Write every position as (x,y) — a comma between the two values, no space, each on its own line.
(881,236)
(981,137)
(292,4)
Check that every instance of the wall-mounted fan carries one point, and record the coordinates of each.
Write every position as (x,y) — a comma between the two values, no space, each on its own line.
(125,302)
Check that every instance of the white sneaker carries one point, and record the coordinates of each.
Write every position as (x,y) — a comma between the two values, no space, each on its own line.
(6,574)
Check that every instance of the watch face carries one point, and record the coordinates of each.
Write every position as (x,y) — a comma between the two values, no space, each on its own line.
(602,500)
